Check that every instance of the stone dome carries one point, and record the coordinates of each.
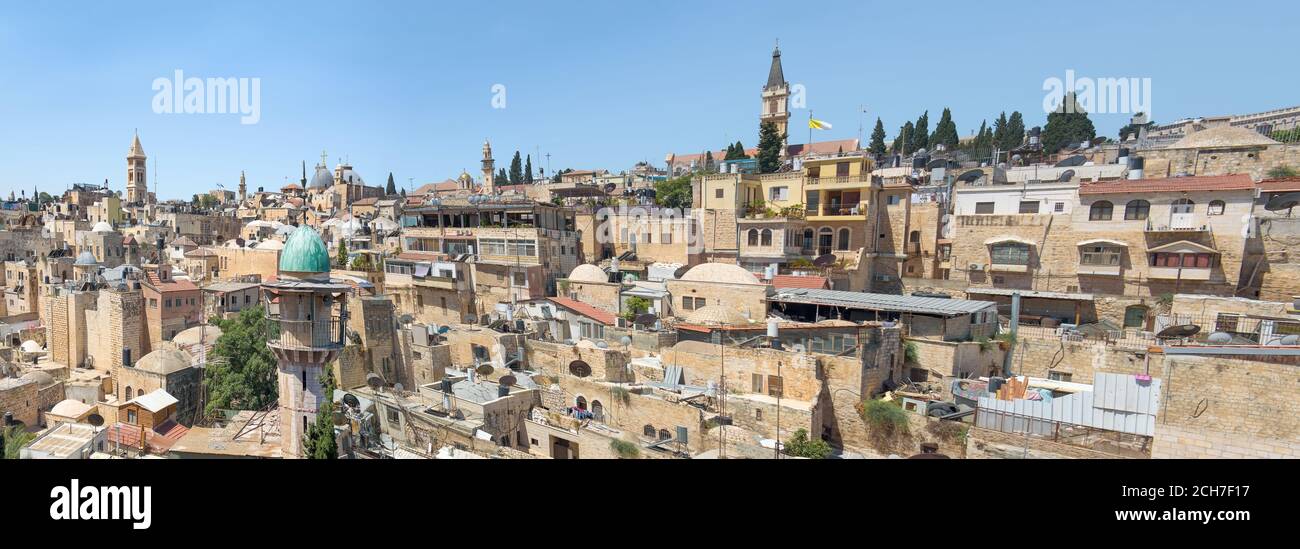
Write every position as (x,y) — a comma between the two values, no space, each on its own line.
(720,272)
(716,315)
(588,273)
(164,361)
(1223,137)
(270,244)
(102,227)
(305,252)
(43,379)
(85,258)
(323,179)
(71,408)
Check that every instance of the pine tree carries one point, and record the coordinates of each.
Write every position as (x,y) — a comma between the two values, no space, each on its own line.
(318,442)
(1068,124)
(921,132)
(528,169)
(769,148)
(1015,131)
(945,132)
(516,170)
(502,177)
(708,161)
(392,187)
(1000,130)
(904,143)
(740,151)
(878,138)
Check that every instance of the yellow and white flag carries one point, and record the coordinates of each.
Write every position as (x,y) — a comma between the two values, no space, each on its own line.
(818,124)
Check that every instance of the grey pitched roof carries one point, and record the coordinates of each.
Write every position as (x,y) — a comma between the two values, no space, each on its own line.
(882,302)
(775,76)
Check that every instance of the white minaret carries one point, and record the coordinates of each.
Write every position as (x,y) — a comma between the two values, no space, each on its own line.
(311,312)
(489,176)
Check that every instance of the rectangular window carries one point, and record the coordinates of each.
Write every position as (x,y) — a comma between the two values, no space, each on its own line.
(1060,376)
(756,383)
(521,279)
(983,208)
(1029,207)
(774,386)
(779,193)
(717,193)
(1060,207)
(1010,254)
(688,303)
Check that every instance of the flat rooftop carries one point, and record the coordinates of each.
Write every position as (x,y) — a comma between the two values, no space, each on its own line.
(881,302)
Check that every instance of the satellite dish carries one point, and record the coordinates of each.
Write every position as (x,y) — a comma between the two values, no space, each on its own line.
(971,176)
(1219,338)
(602,345)
(824,261)
(1283,202)
(374,381)
(484,369)
(681,271)
(398,387)
(405,319)
(508,381)
(1066,176)
(352,401)
(1076,160)
(625,341)
(95,419)
(1179,331)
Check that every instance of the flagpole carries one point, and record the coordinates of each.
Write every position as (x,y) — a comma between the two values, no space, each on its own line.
(808,150)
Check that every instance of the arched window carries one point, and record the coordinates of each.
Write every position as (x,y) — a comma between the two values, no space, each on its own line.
(580,403)
(598,410)
(766,237)
(664,434)
(1137,210)
(753,237)
(1101,211)
(824,237)
(1216,207)
(807,239)
(128,392)
(915,236)
(649,431)
(1182,206)
(843,243)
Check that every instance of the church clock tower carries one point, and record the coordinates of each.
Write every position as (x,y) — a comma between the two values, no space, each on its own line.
(776,99)
(137,182)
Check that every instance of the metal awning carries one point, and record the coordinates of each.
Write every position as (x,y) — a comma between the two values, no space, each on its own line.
(1009,238)
(1184,247)
(1031,293)
(1103,241)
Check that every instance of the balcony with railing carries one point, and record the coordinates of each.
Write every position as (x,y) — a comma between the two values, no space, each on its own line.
(305,335)
(836,211)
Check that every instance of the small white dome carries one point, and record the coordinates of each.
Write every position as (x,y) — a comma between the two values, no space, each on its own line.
(588,273)
(720,272)
(102,227)
(716,315)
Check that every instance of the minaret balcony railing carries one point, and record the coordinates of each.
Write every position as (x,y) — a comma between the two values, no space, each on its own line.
(321,334)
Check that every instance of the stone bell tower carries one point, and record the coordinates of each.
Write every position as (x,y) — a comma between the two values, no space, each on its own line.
(311,312)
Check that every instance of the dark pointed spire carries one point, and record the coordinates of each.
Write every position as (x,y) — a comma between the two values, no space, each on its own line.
(775,76)
(304,174)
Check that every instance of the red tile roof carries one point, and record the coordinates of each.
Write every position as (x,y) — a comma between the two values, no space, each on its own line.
(795,281)
(1284,184)
(174,285)
(604,317)
(1239,182)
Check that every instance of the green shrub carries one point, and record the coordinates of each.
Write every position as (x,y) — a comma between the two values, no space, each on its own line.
(911,353)
(624,449)
(886,420)
(799,445)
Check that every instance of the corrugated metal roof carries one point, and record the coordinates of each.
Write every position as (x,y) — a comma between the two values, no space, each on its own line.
(1031,293)
(883,302)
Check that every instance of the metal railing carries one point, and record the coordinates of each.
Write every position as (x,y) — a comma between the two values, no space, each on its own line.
(305,334)
(1116,443)
(1242,330)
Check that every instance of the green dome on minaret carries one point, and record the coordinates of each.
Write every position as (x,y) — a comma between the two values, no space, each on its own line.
(305,252)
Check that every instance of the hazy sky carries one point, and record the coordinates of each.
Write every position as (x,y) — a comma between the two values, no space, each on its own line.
(407,87)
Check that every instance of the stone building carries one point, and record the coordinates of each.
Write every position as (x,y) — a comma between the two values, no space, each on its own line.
(720,284)
(169,369)
(170,304)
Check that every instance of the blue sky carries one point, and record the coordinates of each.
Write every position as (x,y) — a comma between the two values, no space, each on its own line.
(406,86)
